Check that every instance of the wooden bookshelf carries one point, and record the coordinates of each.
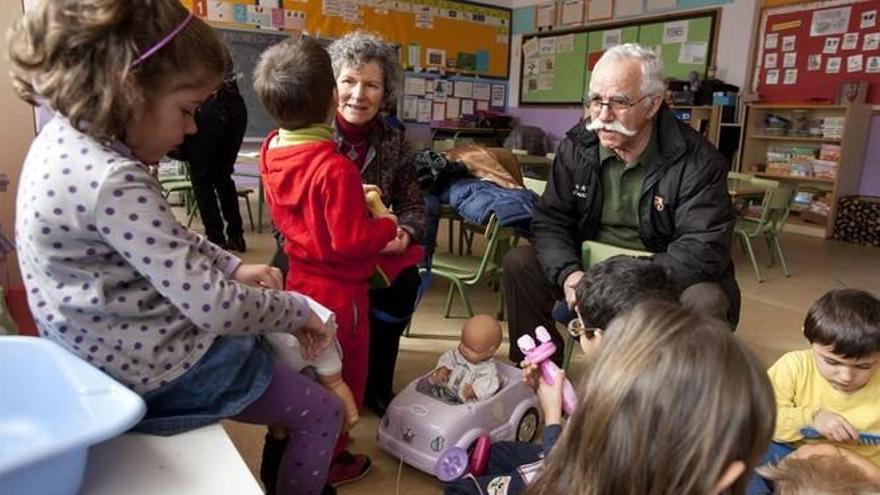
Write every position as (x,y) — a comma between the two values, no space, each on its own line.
(852,152)
(705,119)
(796,139)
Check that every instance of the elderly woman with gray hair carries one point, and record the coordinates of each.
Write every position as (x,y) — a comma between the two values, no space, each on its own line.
(368,77)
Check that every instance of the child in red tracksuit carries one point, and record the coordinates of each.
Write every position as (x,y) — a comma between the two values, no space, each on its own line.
(317,202)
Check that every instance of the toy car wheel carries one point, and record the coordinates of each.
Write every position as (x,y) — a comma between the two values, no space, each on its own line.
(528,426)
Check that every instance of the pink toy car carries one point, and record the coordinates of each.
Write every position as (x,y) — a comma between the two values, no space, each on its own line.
(433,434)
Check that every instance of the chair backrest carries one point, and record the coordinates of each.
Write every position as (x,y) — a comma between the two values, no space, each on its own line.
(594,252)
(775,206)
(735,179)
(494,234)
(536,185)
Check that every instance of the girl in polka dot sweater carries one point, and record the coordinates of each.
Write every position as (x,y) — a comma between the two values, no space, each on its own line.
(112,275)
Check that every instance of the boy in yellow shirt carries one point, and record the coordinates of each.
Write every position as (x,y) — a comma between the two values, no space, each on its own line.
(834,386)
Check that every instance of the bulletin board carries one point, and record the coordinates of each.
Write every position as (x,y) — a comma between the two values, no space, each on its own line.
(453,35)
(565,73)
(805,52)
(429,98)
(685,43)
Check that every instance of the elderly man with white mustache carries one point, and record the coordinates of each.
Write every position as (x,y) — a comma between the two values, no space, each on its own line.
(634,176)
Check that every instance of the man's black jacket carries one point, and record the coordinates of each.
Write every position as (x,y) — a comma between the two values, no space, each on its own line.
(685,212)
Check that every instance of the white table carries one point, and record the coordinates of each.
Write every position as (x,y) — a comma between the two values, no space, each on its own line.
(199,462)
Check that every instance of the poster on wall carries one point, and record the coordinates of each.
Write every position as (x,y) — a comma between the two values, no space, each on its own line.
(545,15)
(572,13)
(482,91)
(830,21)
(850,41)
(598,10)
(498,91)
(675,32)
(869,19)
(628,8)
(657,5)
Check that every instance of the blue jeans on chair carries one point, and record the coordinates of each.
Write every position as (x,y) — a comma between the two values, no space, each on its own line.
(775,452)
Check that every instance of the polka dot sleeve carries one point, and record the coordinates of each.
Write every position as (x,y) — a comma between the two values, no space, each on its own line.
(187,270)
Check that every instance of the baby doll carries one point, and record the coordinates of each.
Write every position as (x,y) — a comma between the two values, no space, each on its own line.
(327,365)
(468,372)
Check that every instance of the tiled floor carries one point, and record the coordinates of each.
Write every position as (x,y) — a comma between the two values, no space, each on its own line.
(771,321)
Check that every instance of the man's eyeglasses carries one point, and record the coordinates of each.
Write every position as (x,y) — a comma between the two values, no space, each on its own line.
(616,104)
(577,329)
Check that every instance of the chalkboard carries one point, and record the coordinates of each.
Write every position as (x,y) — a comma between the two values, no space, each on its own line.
(245,48)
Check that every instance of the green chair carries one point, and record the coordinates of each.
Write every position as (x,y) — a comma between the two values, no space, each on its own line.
(181,185)
(245,193)
(593,252)
(470,270)
(775,208)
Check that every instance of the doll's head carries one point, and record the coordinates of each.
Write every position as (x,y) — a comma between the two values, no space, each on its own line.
(480,338)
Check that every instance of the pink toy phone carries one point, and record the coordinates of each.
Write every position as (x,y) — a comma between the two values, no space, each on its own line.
(540,355)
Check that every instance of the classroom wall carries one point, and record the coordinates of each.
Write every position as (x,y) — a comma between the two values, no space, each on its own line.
(731,61)
(734,41)
(16,134)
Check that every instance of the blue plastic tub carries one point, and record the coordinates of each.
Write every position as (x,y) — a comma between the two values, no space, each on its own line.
(53,407)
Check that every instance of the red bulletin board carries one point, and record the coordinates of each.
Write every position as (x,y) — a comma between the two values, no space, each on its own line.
(812,84)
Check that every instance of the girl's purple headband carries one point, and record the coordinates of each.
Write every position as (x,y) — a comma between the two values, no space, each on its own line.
(164,41)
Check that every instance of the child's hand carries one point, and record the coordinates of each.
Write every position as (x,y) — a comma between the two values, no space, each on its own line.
(834,427)
(571,283)
(313,337)
(264,276)
(468,392)
(399,244)
(550,396)
(440,375)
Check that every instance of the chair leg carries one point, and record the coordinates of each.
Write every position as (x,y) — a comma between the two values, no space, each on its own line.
(464,297)
(770,250)
(191,208)
(499,311)
(247,202)
(781,256)
(449,297)
(748,243)
(450,235)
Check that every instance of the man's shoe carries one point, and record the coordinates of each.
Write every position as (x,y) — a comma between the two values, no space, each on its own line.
(273,451)
(347,468)
(236,244)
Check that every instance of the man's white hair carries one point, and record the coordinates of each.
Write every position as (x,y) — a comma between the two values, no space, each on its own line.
(653,80)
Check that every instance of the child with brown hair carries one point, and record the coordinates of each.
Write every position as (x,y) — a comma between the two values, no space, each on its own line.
(317,202)
(823,469)
(112,275)
(673,405)
(832,387)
